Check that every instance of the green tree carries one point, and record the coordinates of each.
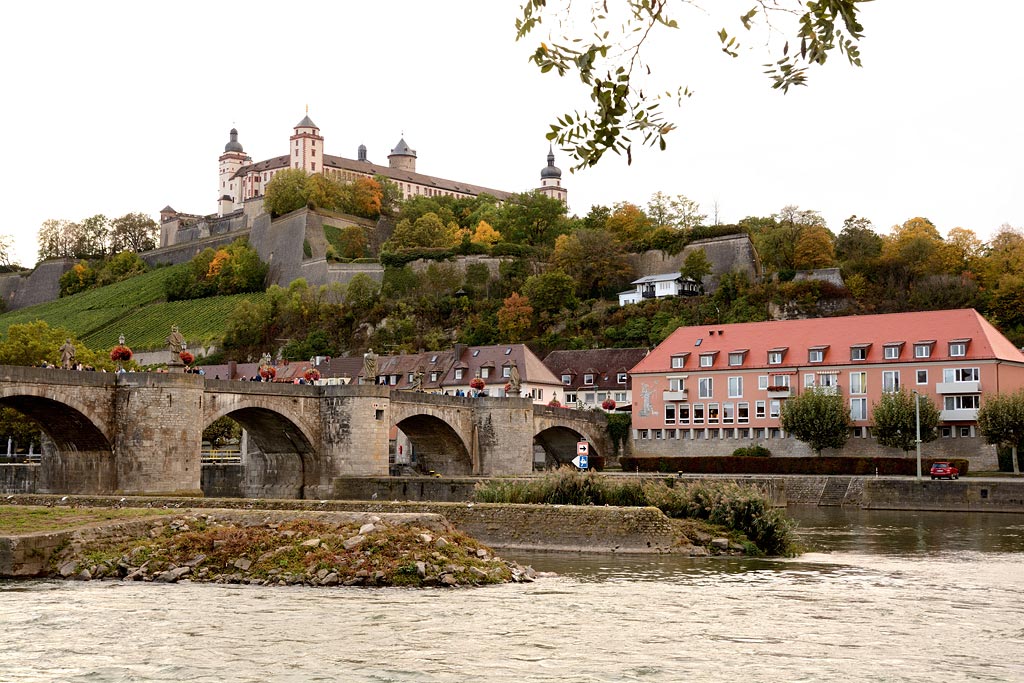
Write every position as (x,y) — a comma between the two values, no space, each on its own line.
(361,293)
(135,232)
(895,420)
(696,266)
(818,417)
(322,192)
(550,292)
(531,218)
(285,192)
(1001,422)
(93,237)
(36,342)
(814,249)
(56,239)
(604,49)
(858,246)
(428,230)
(677,212)
(595,260)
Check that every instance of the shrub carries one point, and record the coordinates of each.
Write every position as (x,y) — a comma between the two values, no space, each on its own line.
(756,451)
(715,464)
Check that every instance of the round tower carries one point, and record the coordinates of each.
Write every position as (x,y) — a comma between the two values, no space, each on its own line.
(551,180)
(306,146)
(233,158)
(402,157)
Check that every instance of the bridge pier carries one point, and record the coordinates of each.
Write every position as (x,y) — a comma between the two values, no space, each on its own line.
(159,434)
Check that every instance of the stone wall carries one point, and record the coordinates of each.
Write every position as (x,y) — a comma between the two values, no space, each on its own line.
(726,254)
(981,456)
(962,495)
(37,287)
(18,478)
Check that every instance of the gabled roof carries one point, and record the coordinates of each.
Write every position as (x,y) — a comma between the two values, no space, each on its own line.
(605,364)
(839,335)
(663,277)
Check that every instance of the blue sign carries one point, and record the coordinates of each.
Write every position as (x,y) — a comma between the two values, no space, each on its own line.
(581,461)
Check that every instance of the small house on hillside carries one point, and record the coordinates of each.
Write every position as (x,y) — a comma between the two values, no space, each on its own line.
(660,287)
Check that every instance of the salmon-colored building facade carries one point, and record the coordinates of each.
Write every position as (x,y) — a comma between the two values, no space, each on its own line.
(709,389)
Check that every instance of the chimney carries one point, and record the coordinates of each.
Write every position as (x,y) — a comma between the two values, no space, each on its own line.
(459,349)
(232,369)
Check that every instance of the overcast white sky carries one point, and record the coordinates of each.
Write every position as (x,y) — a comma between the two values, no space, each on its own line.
(115,107)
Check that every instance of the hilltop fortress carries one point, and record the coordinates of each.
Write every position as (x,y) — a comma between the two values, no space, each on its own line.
(294,245)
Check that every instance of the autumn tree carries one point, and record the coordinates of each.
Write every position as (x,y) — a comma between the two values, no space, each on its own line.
(895,420)
(321,191)
(135,232)
(858,246)
(426,231)
(814,249)
(285,192)
(515,318)
(532,218)
(818,417)
(777,239)
(485,234)
(233,269)
(629,224)
(605,50)
(362,197)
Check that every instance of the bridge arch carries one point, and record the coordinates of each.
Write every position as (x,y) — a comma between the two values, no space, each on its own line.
(79,457)
(558,445)
(437,446)
(281,456)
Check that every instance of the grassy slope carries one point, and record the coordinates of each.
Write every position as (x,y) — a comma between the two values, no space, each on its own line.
(134,308)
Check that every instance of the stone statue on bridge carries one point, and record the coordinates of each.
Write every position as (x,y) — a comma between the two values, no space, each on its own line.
(417,381)
(67,355)
(370,367)
(514,381)
(175,341)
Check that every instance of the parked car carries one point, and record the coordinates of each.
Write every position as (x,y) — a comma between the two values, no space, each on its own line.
(944,470)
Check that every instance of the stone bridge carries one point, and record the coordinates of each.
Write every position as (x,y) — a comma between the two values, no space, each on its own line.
(141,433)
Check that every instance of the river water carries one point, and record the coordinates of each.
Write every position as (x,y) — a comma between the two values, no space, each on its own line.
(881,597)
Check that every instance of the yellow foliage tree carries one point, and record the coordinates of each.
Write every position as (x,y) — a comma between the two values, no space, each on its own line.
(814,249)
(485,234)
(217,264)
(515,317)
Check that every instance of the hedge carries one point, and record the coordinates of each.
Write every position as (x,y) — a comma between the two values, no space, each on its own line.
(714,464)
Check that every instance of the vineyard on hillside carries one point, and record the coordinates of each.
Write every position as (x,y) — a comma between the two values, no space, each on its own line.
(201,321)
(90,311)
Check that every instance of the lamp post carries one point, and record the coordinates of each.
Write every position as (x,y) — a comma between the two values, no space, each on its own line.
(120,342)
(917,419)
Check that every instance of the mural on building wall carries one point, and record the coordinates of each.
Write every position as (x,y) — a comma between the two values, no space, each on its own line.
(646,410)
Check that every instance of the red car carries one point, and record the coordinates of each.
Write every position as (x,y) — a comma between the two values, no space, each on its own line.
(944,470)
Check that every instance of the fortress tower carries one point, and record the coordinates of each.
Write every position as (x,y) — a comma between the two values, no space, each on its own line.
(402,157)
(307,146)
(229,188)
(551,180)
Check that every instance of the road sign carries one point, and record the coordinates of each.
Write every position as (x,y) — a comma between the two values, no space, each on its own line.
(582,448)
(581,461)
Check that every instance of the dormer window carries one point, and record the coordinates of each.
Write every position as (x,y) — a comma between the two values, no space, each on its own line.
(736,357)
(707,360)
(892,351)
(458,373)
(485,373)
(958,347)
(433,377)
(859,352)
(923,349)
(506,371)
(678,361)
(816,354)
(775,356)
(567,380)
(588,380)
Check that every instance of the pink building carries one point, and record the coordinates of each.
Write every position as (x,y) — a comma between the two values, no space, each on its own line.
(709,389)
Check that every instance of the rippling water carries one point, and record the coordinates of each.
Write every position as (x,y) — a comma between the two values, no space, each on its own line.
(883,597)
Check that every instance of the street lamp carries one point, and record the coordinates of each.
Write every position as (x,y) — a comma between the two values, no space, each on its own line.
(917,419)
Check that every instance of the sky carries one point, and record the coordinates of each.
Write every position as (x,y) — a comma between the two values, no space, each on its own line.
(117,107)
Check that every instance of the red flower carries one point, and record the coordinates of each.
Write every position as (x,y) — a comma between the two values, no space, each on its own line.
(477,383)
(608,404)
(120,353)
(268,372)
(554,403)
(186,357)
(311,375)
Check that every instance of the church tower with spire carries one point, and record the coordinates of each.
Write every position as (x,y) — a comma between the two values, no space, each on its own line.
(551,180)
(306,146)
(229,191)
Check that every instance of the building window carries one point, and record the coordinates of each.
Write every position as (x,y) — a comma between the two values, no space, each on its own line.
(657,434)
(815,356)
(707,360)
(684,413)
(890,381)
(677,361)
(960,374)
(809,380)
(829,380)
(958,348)
(506,371)
(736,358)
(698,413)
(762,382)
(728,413)
(570,398)
(859,353)
(965,432)
(670,414)
(313,167)
(712,413)
(946,432)
(621,378)
(620,396)
(735,387)
(922,377)
(967,402)
(409,380)
(773,408)
(775,358)
(705,387)
(779,381)
(675,384)
(858,382)
(922,350)
(433,377)
(566,380)
(458,373)
(588,380)
(759,409)
(892,351)
(858,409)
(485,373)
(642,433)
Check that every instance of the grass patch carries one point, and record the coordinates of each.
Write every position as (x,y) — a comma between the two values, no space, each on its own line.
(27,519)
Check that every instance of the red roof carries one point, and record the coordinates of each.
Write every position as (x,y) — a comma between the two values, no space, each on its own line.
(836,336)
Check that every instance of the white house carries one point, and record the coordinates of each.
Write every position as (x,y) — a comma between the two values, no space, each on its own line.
(659,287)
